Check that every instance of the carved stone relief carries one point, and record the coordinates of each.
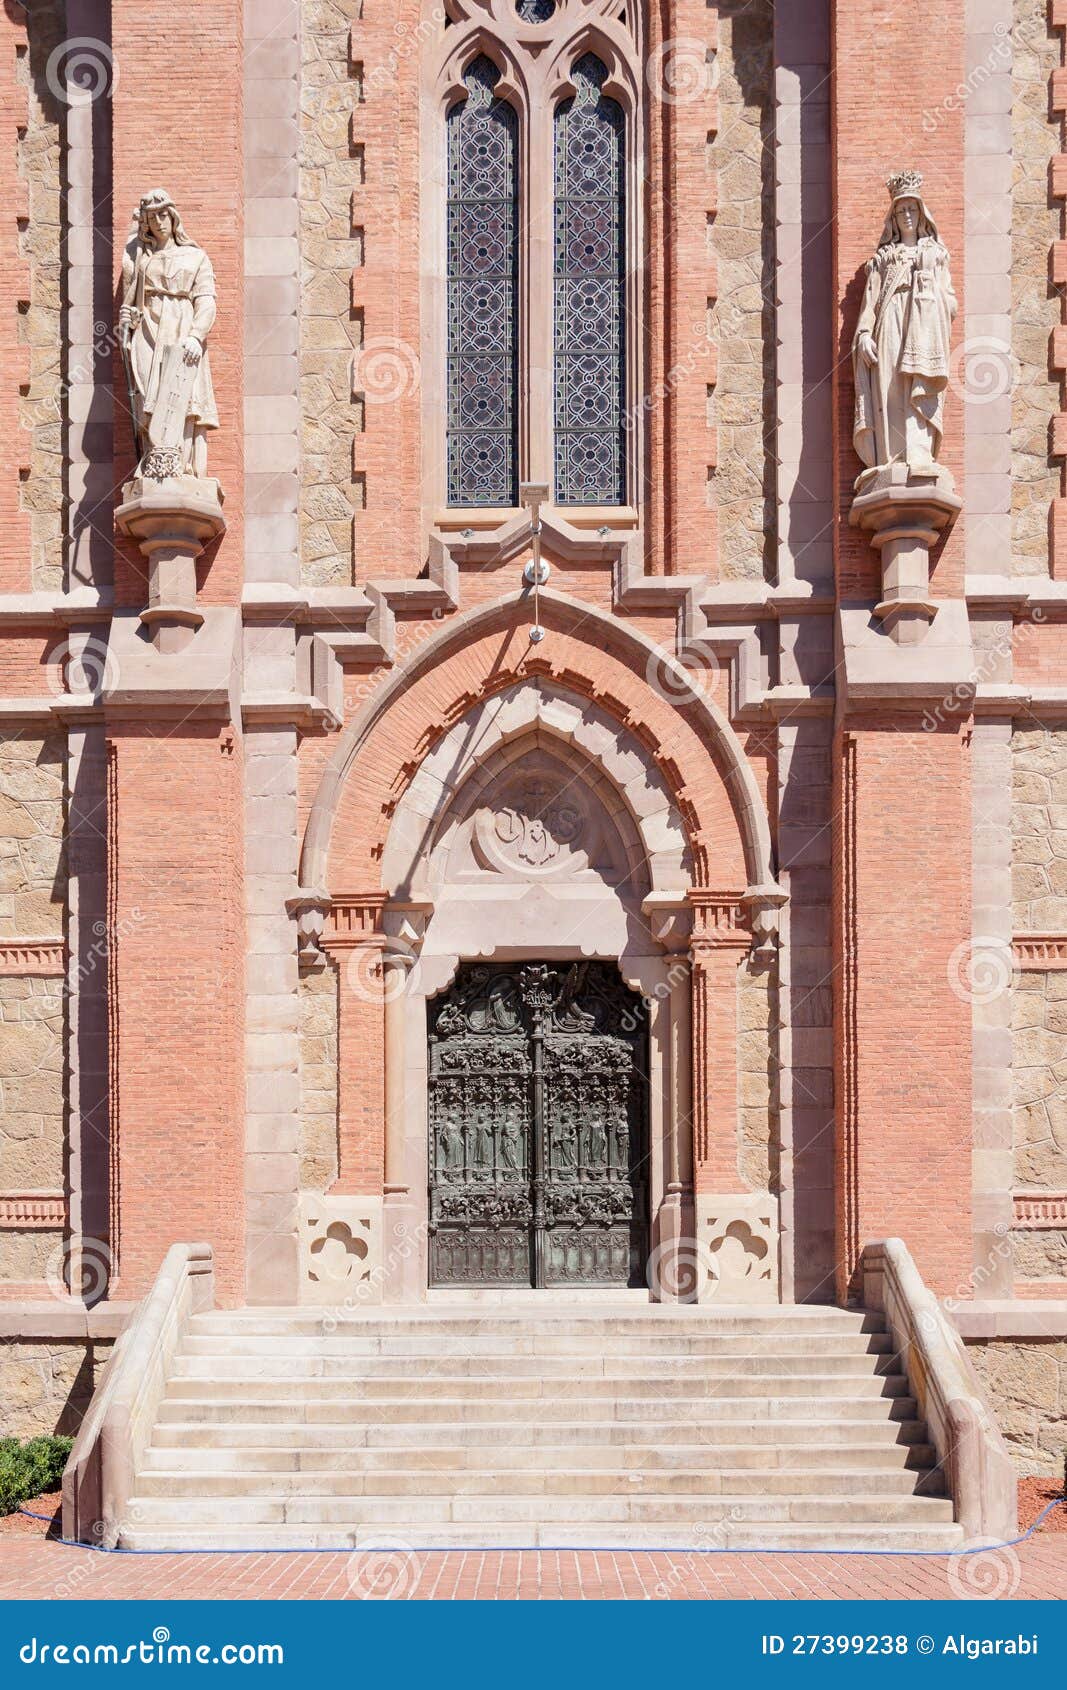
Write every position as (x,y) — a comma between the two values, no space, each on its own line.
(737,1247)
(340,1250)
(900,359)
(538,819)
(170,506)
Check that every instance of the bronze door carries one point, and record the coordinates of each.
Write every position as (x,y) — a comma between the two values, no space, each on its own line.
(538,1127)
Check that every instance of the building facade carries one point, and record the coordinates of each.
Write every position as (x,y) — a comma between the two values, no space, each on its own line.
(534,730)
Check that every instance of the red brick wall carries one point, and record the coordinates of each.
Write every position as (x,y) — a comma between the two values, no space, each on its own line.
(178,120)
(360,1072)
(902,822)
(176,992)
(385,288)
(175,846)
(903,1019)
(682,284)
(893,65)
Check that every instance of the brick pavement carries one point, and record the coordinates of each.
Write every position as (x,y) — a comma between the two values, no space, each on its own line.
(32,1566)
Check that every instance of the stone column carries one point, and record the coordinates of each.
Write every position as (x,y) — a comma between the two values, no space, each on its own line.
(272,1124)
(356,939)
(988,976)
(726,1213)
(402,1258)
(673,1278)
(396,967)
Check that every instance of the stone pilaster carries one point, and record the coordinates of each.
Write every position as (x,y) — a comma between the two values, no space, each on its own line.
(272,1124)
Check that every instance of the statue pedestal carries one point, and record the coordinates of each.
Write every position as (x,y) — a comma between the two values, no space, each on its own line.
(171,521)
(904,510)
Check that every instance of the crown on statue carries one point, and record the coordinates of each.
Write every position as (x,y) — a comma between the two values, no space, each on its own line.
(906,184)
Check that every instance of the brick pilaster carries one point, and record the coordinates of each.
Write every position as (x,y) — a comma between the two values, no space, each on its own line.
(902,845)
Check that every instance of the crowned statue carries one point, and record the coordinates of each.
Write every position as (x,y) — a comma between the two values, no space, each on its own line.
(900,351)
(167,312)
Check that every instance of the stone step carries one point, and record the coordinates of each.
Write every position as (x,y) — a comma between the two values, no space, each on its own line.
(757,1434)
(699,1539)
(643,1344)
(545,1481)
(527,1321)
(646,1508)
(183,1404)
(430,1388)
(189,1449)
(615,1366)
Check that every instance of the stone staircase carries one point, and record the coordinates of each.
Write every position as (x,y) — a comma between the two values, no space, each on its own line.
(526,1424)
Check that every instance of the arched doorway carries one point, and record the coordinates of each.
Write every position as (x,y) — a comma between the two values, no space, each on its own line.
(538,1120)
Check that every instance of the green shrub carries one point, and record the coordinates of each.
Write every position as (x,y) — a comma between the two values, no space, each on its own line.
(27,1469)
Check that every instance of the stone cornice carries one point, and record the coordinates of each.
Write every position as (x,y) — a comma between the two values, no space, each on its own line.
(38,957)
(355,919)
(287,709)
(1039,1211)
(84,605)
(33,1211)
(1040,951)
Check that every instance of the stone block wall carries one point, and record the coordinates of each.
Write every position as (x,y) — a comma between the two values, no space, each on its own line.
(32,866)
(42,238)
(331,171)
(46,1384)
(1026,1385)
(33,1141)
(1035,305)
(1039,828)
(1039,1000)
(32,1117)
(742,322)
(1039,1051)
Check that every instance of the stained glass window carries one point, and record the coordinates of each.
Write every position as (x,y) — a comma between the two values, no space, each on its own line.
(590,325)
(482,290)
(535,11)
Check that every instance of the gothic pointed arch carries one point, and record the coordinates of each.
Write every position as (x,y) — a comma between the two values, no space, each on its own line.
(686,738)
(539,782)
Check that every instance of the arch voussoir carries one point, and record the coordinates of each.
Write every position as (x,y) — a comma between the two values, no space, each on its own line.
(478,657)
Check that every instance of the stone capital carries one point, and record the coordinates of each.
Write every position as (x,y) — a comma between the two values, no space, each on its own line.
(670,919)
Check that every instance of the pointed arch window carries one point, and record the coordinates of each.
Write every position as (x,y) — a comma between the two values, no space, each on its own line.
(589,293)
(483,260)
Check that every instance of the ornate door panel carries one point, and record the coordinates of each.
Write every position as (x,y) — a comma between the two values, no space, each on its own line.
(538,1127)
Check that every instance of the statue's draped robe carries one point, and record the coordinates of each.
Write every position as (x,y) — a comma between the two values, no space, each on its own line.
(173,292)
(908,307)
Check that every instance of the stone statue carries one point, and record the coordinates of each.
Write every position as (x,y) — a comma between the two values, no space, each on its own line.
(900,351)
(168,309)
